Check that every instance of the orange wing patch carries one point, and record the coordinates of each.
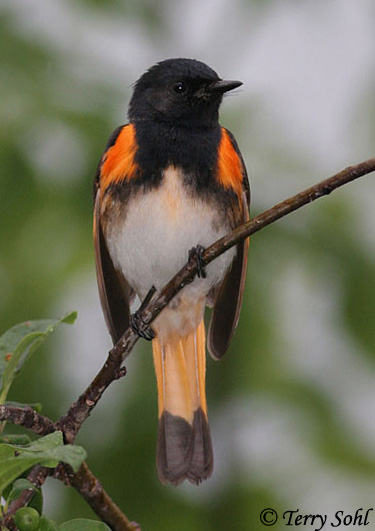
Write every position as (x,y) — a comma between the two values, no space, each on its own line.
(118,162)
(229,165)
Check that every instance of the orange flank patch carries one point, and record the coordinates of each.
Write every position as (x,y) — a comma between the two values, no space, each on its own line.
(118,161)
(229,165)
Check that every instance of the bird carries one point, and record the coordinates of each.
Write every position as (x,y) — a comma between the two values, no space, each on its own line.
(171,182)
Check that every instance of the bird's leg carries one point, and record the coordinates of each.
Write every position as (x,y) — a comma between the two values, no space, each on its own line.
(136,322)
(196,253)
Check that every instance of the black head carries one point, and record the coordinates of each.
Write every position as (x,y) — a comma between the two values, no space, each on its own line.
(182,92)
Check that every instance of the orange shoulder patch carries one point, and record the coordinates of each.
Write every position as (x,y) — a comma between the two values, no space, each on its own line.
(229,165)
(118,161)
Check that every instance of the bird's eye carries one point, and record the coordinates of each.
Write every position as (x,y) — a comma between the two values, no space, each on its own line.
(180,87)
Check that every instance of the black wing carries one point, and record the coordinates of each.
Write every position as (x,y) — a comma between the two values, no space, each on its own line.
(228,300)
(114,290)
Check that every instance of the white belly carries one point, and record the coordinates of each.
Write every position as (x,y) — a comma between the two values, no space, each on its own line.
(159,229)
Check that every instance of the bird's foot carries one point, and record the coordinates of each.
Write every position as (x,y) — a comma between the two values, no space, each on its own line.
(196,253)
(136,321)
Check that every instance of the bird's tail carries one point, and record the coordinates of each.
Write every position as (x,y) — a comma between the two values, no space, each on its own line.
(184,447)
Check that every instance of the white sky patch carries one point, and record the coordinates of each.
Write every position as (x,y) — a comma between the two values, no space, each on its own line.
(318,351)
(314,64)
(56,150)
(93,44)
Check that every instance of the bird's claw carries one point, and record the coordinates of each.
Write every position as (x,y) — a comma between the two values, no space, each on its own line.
(196,253)
(138,326)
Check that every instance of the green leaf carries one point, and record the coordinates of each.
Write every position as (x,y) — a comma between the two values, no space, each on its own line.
(12,467)
(19,342)
(81,524)
(47,451)
(52,450)
(47,525)
(69,318)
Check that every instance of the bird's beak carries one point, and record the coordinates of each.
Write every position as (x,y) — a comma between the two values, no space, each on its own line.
(223,85)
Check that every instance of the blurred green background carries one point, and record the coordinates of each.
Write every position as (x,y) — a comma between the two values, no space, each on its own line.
(292,404)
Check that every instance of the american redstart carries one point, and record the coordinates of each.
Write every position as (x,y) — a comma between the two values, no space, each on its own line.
(170,182)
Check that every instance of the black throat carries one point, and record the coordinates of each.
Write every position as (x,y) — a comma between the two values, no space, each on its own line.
(193,149)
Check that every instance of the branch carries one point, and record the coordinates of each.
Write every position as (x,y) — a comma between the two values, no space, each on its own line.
(28,418)
(92,491)
(86,484)
(80,410)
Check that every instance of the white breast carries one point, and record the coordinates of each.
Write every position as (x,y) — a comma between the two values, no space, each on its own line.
(159,229)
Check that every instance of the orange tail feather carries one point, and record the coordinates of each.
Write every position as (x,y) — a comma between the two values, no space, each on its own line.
(184,448)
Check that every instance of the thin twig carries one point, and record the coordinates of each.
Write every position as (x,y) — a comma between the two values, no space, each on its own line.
(28,418)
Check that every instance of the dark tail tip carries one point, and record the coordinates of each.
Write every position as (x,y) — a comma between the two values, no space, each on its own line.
(184,451)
